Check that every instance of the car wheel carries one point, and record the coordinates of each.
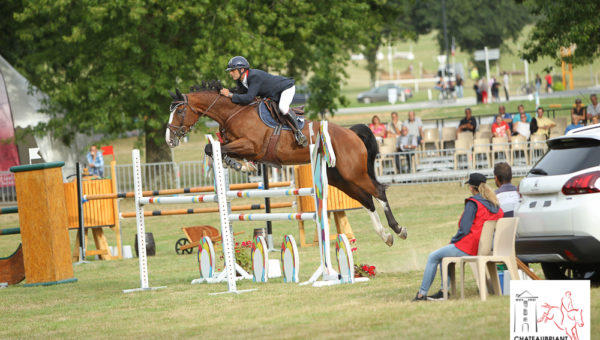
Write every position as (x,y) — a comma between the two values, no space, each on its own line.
(571,271)
(367,100)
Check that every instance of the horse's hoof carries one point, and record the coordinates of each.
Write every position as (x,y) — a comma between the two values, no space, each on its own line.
(390,240)
(403,233)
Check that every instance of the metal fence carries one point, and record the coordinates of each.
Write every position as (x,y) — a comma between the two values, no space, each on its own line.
(452,165)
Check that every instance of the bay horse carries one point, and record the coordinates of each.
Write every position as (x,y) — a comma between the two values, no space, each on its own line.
(245,136)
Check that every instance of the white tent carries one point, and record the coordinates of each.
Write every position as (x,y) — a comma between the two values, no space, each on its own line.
(25,106)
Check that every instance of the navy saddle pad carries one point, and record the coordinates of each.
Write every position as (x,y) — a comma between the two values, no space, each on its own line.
(269,121)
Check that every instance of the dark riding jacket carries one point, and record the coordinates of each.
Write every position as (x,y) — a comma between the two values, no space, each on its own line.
(262,84)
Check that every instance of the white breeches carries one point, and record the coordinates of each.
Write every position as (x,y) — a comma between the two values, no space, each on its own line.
(286,99)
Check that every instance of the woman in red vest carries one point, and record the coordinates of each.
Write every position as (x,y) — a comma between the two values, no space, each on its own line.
(481,207)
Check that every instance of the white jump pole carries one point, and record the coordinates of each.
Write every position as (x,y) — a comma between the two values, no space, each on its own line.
(141,230)
(226,232)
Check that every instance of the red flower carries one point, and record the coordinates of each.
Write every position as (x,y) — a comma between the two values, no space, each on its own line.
(354,249)
(372,268)
(365,267)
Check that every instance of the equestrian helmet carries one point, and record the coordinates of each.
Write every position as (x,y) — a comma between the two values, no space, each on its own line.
(237,62)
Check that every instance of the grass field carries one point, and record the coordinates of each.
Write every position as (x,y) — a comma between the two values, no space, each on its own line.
(95,307)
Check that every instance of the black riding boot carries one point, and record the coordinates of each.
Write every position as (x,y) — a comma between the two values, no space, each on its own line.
(300,138)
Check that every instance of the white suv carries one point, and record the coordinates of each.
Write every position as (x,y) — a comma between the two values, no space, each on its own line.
(560,208)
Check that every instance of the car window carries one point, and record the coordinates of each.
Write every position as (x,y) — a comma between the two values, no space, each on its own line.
(569,155)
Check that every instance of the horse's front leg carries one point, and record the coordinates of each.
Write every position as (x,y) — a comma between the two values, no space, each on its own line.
(240,148)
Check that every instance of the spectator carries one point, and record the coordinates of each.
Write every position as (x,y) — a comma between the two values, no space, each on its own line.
(593,110)
(377,128)
(505,81)
(538,83)
(406,143)
(481,207)
(394,126)
(521,109)
(541,125)
(415,126)
(495,89)
(459,86)
(474,73)
(508,194)
(95,162)
(506,116)
(500,128)
(578,113)
(468,123)
(548,78)
(574,124)
(522,127)
(483,87)
(477,93)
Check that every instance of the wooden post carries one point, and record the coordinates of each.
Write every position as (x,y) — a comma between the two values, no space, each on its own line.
(43,221)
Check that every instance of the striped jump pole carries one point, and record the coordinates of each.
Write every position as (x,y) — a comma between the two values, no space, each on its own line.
(240,186)
(130,214)
(272,217)
(228,194)
(10,231)
(9,210)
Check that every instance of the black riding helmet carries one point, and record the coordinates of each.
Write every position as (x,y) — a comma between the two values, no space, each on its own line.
(237,62)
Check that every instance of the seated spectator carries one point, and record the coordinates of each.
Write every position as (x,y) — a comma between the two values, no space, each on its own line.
(440,85)
(406,143)
(541,125)
(415,126)
(377,128)
(393,127)
(468,123)
(506,116)
(593,110)
(578,113)
(522,127)
(573,125)
(481,207)
(95,162)
(500,128)
(517,116)
(508,194)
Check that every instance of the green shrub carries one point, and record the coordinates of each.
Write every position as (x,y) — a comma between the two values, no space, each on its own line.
(558,86)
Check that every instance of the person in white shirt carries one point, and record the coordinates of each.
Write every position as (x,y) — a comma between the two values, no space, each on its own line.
(593,110)
(414,125)
(508,194)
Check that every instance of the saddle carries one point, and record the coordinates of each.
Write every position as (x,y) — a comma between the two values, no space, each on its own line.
(269,113)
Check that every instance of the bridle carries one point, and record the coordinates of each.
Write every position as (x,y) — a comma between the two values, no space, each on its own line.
(180,131)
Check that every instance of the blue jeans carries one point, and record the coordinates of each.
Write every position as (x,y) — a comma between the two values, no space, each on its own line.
(435,260)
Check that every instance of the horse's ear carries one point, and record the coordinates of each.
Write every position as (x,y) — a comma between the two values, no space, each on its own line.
(179,95)
(173,95)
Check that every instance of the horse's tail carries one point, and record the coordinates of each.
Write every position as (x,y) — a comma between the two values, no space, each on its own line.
(366,135)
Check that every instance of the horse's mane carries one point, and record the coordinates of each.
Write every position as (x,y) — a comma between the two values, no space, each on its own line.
(210,85)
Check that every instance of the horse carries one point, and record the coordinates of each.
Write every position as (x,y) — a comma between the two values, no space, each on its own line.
(246,137)
(565,322)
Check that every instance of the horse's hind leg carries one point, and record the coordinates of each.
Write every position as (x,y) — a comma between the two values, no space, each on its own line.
(401,231)
(364,198)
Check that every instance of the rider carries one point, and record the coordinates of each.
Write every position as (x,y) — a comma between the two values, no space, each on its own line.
(254,82)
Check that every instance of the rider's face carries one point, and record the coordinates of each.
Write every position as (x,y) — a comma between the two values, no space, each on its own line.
(235,74)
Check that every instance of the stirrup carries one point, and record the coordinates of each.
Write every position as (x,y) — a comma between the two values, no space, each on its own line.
(301,138)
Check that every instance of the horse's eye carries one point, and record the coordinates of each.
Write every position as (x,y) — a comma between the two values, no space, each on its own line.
(181,111)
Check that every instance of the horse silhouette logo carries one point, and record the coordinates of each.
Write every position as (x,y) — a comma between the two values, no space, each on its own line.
(565,317)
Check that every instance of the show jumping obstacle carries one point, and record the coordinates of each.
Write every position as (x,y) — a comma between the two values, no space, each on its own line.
(43,223)
(12,268)
(323,152)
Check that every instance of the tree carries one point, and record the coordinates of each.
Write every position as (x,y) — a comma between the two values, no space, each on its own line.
(390,20)
(475,24)
(562,23)
(107,66)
